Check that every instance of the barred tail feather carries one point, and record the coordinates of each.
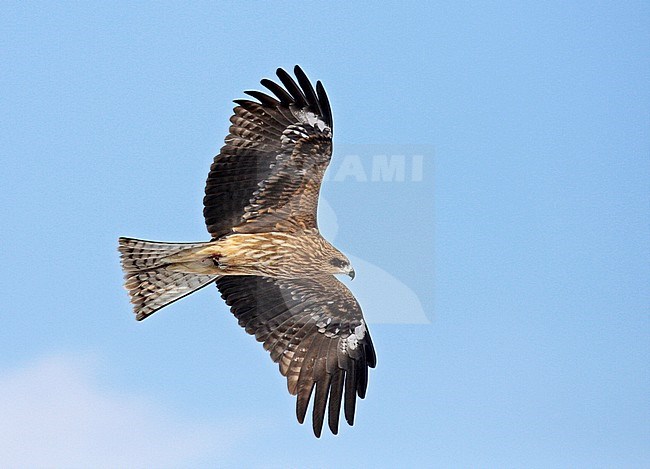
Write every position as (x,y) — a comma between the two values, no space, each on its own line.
(150,283)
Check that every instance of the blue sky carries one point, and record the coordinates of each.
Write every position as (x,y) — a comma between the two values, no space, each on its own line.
(506,285)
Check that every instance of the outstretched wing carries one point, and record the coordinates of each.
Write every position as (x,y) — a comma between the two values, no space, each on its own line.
(314,329)
(268,174)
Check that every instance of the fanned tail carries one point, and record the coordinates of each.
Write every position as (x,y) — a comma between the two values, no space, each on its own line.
(149,279)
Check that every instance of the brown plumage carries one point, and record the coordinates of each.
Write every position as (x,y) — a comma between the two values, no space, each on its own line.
(266,255)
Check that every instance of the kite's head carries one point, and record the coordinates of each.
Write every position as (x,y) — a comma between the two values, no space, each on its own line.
(332,261)
(342,265)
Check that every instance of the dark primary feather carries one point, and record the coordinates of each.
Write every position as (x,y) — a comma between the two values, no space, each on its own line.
(284,97)
(307,324)
(268,174)
(263,98)
(293,89)
(308,89)
(324,102)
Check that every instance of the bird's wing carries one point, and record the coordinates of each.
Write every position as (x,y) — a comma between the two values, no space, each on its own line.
(268,174)
(314,329)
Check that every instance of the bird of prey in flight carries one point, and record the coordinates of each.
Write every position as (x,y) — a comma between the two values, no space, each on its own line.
(266,255)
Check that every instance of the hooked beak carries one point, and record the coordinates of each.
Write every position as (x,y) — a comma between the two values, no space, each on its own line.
(351,273)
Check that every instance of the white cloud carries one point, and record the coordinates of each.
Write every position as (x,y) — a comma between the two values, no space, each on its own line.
(53,414)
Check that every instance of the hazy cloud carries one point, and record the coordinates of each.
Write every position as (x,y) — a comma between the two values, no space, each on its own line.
(53,413)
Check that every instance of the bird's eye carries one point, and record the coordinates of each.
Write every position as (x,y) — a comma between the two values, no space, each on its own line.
(336,262)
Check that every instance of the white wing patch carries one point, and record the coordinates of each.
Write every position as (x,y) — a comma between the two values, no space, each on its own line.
(352,341)
(308,117)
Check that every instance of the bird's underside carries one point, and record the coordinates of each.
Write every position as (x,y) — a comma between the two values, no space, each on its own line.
(273,254)
(266,256)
